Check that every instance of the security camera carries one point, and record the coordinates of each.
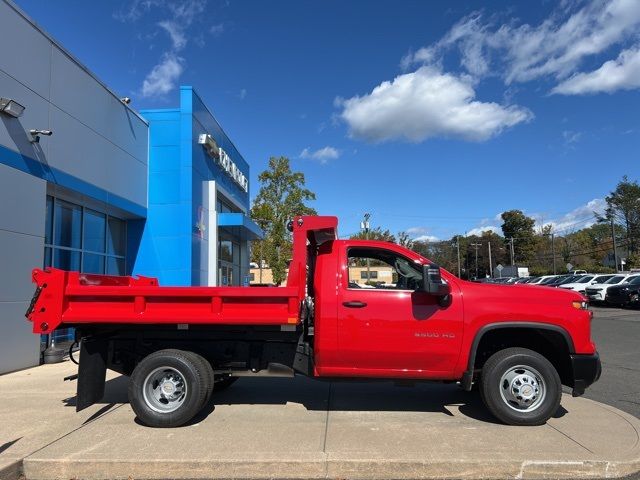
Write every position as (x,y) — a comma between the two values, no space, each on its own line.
(46,133)
(125,100)
(35,134)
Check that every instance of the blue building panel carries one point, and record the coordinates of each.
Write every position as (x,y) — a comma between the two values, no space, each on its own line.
(173,245)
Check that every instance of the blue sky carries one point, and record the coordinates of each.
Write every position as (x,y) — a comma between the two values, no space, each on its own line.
(433,117)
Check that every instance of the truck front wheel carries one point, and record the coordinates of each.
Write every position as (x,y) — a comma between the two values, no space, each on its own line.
(520,387)
(168,388)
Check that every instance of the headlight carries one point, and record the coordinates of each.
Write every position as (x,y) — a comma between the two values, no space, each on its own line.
(580,305)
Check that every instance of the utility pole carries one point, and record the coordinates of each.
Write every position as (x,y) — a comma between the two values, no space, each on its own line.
(511,250)
(458,248)
(364,225)
(490,266)
(476,245)
(553,249)
(615,249)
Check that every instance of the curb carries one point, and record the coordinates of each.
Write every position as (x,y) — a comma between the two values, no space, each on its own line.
(11,471)
(316,469)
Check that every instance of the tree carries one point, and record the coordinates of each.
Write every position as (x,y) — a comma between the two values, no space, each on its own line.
(405,240)
(623,208)
(517,227)
(282,196)
(375,234)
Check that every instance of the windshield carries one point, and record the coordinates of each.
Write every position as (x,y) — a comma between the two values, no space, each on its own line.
(615,279)
(586,279)
(570,279)
(603,278)
(635,281)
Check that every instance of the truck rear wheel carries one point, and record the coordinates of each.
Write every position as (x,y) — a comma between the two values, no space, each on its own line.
(520,387)
(168,388)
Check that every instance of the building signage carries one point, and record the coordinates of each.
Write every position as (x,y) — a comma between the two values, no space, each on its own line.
(223,160)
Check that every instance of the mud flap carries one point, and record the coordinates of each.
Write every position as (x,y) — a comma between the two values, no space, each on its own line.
(92,372)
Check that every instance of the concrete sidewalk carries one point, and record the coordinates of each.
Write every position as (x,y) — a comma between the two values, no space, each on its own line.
(280,428)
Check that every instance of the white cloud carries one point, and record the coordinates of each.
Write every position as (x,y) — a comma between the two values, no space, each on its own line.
(163,77)
(427,103)
(242,94)
(578,218)
(178,38)
(323,155)
(181,15)
(570,137)
(555,48)
(426,238)
(416,230)
(217,30)
(623,73)
(485,228)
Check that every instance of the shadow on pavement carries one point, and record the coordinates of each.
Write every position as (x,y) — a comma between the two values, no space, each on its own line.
(360,396)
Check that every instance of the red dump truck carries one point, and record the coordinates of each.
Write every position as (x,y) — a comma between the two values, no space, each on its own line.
(519,344)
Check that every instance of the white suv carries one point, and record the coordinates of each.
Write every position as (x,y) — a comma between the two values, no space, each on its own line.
(585,281)
(598,293)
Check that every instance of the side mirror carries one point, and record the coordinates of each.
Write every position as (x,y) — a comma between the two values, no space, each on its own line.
(432,281)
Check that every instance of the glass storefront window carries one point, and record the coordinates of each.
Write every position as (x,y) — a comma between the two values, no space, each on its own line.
(116,237)
(48,229)
(92,263)
(81,239)
(226,250)
(66,259)
(228,262)
(67,224)
(94,231)
(115,266)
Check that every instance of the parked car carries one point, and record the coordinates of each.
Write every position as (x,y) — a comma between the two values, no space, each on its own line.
(570,279)
(598,293)
(582,283)
(540,280)
(549,280)
(562,279)
(626,293)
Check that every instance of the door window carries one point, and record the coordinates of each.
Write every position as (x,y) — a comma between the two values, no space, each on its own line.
(376,268)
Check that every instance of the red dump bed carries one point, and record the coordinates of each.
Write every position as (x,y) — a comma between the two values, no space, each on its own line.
(68,298)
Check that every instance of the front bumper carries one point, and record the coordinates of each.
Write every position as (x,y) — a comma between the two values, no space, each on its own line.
(586,370)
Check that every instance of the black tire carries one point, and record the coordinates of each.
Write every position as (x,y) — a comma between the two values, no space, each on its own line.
(208,369)
(223,382)
(498,393)
(190,373)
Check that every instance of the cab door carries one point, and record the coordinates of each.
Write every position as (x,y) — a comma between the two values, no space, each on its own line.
(385,326)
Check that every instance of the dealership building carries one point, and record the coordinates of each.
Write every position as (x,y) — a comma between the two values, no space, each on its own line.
(87,183)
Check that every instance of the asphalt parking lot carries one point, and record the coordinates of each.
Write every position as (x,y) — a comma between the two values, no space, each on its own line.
(616,332)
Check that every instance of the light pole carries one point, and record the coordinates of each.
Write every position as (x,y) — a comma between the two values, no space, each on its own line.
(615,249)
(490,266)
(512,251)
(476,245)
(553,249)
(457,245)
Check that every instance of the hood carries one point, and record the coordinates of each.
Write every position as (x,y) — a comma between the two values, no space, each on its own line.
(526,293)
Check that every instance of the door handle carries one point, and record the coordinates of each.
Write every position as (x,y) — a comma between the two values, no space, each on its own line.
(355,304)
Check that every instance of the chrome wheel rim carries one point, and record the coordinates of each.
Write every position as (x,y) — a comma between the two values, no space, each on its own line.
(522,388)
(164,390)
